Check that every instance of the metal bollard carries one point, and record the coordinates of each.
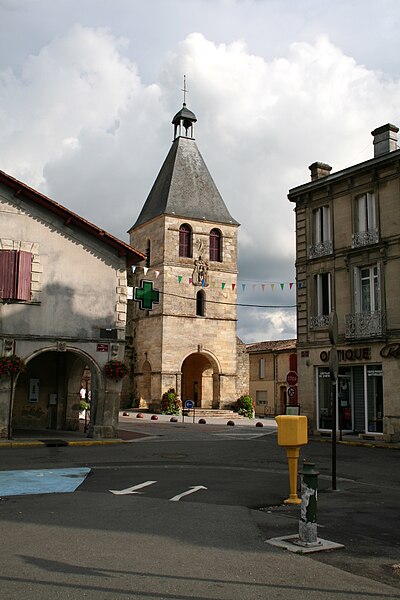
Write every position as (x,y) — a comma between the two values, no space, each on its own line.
(308,515)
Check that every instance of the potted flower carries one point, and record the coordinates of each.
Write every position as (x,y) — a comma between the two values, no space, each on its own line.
(11,365)
(115,369)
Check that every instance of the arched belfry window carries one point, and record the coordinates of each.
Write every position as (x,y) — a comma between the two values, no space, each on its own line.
(185,240)
(201,303)
(215,245)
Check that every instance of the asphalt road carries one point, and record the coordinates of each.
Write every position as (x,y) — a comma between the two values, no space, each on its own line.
(197,526)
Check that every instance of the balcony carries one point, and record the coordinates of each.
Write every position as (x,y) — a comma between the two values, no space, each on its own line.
(319,322)
(321,249)
(365,238)
(365,325)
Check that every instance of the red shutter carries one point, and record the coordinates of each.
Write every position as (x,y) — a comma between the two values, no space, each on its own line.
(24,262)
(7,273)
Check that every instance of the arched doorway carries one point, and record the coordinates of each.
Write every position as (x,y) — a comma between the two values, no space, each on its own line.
(48,393)
(200,380)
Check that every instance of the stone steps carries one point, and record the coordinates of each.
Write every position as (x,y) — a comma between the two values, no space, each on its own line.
(203,413)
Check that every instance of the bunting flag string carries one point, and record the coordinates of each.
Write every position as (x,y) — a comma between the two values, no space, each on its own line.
(224,285)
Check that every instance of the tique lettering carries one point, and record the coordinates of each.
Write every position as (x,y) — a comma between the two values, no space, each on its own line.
(351,354)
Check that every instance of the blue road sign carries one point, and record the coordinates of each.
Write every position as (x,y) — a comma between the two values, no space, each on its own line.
(189,404)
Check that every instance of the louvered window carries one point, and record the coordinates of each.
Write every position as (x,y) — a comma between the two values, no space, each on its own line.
(185,240)
(215,245)
(15,275)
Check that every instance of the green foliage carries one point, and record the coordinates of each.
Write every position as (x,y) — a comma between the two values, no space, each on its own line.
(170,403)
(83,405)
(245,406)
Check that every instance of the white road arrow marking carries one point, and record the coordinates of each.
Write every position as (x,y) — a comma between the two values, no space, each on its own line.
(133,489)
(194,488)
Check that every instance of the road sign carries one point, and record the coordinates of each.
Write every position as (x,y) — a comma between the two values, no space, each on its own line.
(333,328)
(189,404)
(292,392)
(292,378)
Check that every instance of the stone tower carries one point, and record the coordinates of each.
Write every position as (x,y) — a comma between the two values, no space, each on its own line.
(186,341)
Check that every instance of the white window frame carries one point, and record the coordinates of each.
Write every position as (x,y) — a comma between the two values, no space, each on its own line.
(322,224)
(367,275)
(366,212)
(319,283)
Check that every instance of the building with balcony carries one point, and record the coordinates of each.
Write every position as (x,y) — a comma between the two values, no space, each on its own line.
(348,261)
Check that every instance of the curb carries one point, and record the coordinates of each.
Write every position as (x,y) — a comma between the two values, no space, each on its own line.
(37,444)
(361,443)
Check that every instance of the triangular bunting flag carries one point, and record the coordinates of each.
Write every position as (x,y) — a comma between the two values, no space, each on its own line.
(243,286)
(290,285)
(145,269)
(223,286)
(233,286)
(157,273)
(133,268)
(272,286)
(190,279)
(263,287)
(282,285)
(179,278)
(299,285)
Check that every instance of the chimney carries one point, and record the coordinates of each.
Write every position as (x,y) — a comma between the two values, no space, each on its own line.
(319,170)
(385,139)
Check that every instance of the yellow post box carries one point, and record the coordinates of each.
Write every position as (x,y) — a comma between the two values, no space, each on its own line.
(292,433)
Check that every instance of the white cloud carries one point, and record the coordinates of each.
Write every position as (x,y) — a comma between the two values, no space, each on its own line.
(78,123)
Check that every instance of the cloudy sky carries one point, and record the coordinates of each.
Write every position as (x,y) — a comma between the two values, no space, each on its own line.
(88,89)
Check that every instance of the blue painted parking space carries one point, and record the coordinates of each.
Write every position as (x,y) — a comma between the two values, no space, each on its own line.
(41,481)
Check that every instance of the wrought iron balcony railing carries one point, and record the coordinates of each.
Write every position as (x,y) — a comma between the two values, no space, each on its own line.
(365,325)
(319,322)
(321,249)
(365,238)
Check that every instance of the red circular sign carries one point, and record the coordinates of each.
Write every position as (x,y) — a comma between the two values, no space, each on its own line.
(292,378)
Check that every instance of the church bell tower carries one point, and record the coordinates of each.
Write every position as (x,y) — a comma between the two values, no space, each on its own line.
(184,319)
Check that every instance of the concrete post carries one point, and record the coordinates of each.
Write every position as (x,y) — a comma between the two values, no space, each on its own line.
(308,517)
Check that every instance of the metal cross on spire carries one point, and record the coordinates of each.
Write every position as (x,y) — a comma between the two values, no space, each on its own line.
(184,90)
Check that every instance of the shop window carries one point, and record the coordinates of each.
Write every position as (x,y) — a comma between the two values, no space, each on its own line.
(185,240)
(216,245)
(15,275)
(374,399)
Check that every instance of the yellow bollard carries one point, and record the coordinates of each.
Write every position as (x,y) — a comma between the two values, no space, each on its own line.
(292,433)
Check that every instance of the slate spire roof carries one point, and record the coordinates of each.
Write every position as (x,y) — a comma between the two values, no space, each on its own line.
(184,187)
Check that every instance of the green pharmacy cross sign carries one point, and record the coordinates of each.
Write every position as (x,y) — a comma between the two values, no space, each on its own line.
(146,295)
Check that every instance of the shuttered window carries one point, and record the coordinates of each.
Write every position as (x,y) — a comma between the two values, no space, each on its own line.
(215,245)
(185,240)
(15,275)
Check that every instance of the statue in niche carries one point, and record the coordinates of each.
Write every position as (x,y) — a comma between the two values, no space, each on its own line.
(200,272)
